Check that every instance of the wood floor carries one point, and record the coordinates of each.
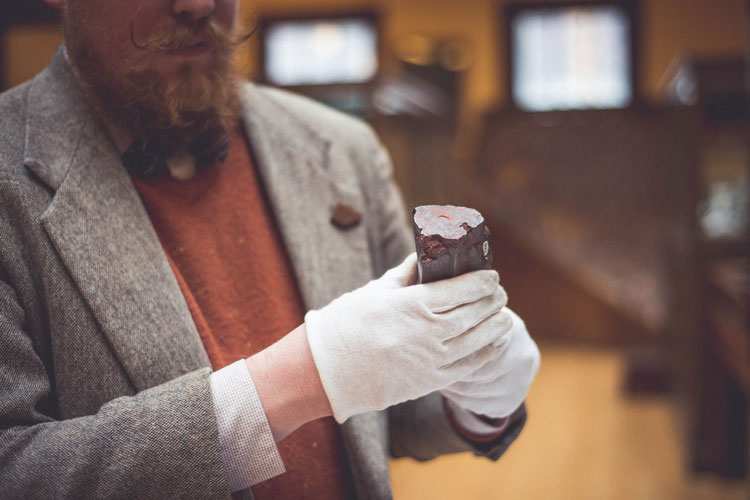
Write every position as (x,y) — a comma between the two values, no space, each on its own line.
(584,440)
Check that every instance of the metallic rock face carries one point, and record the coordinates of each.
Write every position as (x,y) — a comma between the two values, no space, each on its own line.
(450,241)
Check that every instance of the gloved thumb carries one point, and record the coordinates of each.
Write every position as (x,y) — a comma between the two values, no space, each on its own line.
(404,274)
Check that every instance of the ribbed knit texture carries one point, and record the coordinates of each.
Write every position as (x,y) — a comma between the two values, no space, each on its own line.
(221,240)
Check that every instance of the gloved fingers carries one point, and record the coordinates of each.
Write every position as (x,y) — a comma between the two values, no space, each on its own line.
(489,371)
(511,375)
(479,390)
(519,354)
(404,274)
(453,371)
(521,365)
(488,332)
(444,295)
(522,354)
(518,322)
(499,366)
(460,320)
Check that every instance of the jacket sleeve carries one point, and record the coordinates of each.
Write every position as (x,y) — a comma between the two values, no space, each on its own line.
(420,428)
(160,443)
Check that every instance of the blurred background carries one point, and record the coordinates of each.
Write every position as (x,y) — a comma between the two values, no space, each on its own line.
(606,144)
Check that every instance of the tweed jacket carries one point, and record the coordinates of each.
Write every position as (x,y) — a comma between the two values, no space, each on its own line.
(104,382)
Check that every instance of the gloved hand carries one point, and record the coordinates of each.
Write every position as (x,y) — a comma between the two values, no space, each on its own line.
(498,388)
(386,343)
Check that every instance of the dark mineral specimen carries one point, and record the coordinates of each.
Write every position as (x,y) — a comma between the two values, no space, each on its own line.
(450,241)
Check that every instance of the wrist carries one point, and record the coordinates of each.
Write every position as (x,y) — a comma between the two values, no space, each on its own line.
(288,384)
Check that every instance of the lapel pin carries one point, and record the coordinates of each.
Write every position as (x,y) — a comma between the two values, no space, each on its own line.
(345,217)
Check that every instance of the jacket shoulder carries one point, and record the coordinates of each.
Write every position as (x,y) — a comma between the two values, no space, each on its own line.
(325,121)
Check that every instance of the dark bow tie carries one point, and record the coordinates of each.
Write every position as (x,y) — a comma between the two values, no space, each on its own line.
(147,158)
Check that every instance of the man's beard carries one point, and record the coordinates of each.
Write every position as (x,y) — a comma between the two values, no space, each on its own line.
(172,108)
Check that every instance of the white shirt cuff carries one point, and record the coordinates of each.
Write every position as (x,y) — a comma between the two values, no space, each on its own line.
(246,443)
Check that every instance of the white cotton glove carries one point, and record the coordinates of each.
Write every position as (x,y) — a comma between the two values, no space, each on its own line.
(386,343)
(498,388)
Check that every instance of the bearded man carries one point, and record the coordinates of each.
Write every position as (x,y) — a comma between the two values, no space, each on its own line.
(183,311)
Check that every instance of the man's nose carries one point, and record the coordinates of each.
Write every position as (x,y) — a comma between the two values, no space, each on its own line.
(193,9)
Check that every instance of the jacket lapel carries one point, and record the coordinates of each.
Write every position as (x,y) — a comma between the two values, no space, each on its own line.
(103,235)
(295,164)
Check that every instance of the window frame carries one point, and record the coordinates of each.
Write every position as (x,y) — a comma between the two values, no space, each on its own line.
(266,21)
(509,12)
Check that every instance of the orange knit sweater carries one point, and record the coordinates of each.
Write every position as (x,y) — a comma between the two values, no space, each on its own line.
(226,252)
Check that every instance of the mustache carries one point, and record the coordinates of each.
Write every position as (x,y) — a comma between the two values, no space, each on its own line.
(184,33)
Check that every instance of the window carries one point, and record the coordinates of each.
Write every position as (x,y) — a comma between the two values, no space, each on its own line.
(572,57)
(320,51)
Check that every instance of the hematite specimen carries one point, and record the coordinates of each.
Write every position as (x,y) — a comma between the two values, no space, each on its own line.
(450,241)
